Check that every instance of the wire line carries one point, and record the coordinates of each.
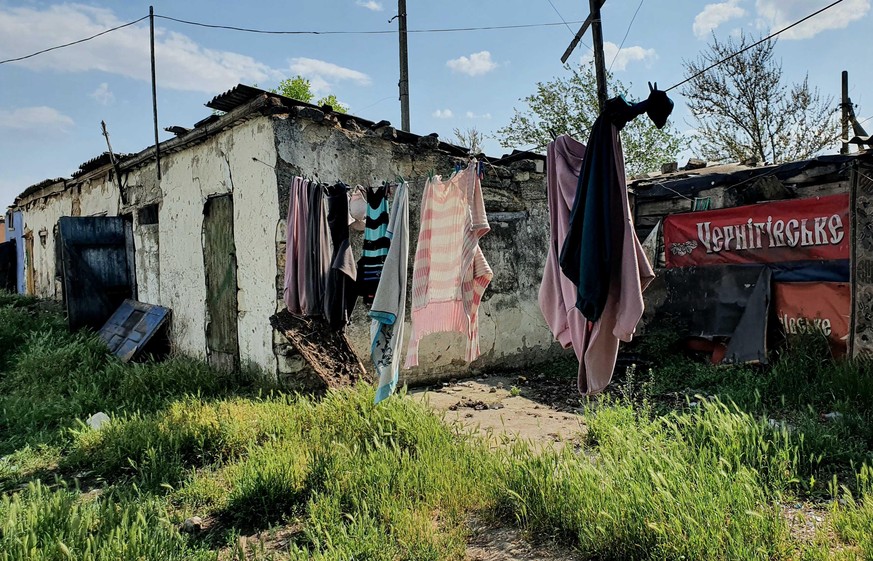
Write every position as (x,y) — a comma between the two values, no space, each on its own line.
(570,29)
(626,33)
(741,51)
(364,32)
(74,42)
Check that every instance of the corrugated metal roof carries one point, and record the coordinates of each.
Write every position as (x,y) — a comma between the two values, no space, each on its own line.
(98,162)
(234,97)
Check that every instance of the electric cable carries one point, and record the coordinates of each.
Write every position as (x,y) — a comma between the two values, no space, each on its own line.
(741,51)
(364,32)
(626,33)
(570,29)
(104,32)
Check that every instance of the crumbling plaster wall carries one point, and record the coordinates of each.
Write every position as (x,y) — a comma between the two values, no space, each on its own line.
(222,164)
(513,332)
(40,217)
(169,255)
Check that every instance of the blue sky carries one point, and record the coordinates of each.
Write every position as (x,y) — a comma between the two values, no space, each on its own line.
(51,105)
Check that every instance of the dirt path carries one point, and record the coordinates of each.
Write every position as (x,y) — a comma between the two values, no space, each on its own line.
(499,543)
(505,409)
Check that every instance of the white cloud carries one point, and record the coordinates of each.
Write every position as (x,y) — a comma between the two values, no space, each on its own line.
(474,65)
(443,114)
(103,95)
(776,14)
(322,74)
(713,15)
(371,5)
(471,115)
(624,57)
(41,117)
(182,64)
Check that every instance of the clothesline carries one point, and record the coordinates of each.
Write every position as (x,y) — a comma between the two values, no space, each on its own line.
(323,278)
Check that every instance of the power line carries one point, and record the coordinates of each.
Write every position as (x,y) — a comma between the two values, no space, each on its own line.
(741,51)
(74,42)
(552,4)
(365,32)
(626,33)
(269,32)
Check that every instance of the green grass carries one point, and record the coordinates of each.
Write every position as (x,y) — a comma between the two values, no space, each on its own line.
(339,478)
(684,487)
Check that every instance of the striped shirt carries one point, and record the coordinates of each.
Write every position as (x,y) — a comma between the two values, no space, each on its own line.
(376,243)
(450,273)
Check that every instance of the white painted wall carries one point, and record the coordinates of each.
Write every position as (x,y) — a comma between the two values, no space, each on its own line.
(221,165)
(99,197)
(169,255)
(146,242)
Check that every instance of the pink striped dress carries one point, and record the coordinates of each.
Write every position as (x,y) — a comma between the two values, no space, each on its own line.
(450,273)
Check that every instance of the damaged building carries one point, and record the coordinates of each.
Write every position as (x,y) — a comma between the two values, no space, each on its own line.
(789,244)
(207,239)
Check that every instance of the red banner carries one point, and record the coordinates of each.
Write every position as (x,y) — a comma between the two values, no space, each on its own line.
(814,307)
(791,230)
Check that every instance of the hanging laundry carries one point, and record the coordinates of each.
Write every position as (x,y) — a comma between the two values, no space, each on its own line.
(376,243)
(557,295)
(450,273)
(601,254)
(340,291)
(357,209)
(389,304)
(307,249)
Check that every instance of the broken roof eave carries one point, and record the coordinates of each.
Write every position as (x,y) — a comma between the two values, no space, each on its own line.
(240,105)
(690,182)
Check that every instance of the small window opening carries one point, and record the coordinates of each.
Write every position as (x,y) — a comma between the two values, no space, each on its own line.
(148,214)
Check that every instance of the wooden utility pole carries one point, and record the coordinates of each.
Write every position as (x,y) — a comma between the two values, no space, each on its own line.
(593,21)
(404,66)
(113,160)
(154,89)
(599,62)
(845,106)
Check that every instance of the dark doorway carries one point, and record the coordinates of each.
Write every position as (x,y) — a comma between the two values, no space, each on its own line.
(219,257)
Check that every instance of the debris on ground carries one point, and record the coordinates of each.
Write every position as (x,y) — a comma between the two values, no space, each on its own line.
(97,420)
(327,351)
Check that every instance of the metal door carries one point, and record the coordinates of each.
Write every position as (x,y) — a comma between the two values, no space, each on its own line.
(96,252)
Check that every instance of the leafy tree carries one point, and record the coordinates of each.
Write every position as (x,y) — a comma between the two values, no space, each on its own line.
(745,110)
(300,88)
(331,100)
(470,138)
(568,105)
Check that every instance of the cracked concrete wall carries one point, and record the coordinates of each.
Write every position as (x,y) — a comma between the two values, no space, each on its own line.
(222,164)
(255,160)
(513,332)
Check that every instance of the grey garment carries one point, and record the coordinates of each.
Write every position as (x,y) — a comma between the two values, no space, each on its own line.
(317,253)
(722,301)
(388,311)
(749,340)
